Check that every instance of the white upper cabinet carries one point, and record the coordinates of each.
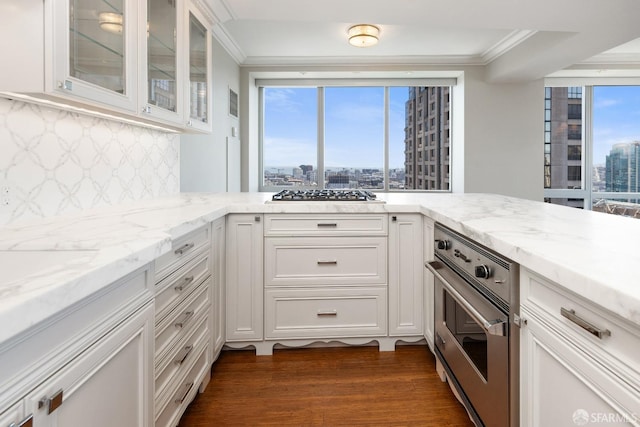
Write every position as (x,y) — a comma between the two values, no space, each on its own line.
(84,54)
(161,94)
(198,82)
(145,60)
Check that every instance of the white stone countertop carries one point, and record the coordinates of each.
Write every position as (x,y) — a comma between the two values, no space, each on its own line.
(50,264)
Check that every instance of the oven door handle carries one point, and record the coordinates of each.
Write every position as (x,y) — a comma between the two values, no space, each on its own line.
(496,327)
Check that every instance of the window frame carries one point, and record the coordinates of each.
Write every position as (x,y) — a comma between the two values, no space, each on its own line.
(586,193)
(320,86)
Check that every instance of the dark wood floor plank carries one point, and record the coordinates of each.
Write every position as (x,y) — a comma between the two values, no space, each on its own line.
(350,386)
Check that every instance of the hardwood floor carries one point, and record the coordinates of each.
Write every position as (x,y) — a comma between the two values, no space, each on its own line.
(326,387)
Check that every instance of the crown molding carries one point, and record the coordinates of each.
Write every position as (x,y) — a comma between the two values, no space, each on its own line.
(507,43)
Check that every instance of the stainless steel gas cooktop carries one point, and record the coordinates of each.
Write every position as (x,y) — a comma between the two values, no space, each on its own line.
(324,195)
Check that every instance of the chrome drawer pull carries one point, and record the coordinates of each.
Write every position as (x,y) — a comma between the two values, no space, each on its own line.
(184,248)
(327,313)
(594,330)
(328,224)
(184,319)
(51,403)
(184,284)
(179,400)
(182,356)
(332,262)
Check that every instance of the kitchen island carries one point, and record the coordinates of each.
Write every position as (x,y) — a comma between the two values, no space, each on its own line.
(56,263)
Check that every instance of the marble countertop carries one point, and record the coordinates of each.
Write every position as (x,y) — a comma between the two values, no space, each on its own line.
(56,262)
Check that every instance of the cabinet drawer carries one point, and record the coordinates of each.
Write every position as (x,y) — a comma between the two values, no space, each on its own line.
(182,249)
(316,261)
(179,284)
(182,356)
(180,321)
(325,224)
(617,348)
(174,404)
(326,313)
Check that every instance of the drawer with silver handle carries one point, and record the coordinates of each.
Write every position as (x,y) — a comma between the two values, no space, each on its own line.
(180,321)
(178,285)
(326,313)
(182,249)
(325,225)
(181,355)
(585,323)
(320,261)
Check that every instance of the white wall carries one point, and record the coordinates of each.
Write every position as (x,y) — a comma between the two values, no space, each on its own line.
(502,140)
(497,136)
(55,162)
(211,162)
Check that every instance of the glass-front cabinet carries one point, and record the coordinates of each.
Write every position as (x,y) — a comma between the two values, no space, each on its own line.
(163,54)
(145,60)
(199,82)
(93,45)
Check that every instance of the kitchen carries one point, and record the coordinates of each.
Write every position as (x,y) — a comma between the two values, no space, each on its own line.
(153,165)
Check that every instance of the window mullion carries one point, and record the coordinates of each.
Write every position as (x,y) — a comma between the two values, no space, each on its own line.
(587,148)
(320,178)
(385,155)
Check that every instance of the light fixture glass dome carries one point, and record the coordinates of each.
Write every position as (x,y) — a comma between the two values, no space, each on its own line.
(363,35)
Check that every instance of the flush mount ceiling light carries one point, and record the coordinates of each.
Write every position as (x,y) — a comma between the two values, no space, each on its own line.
(110,21)
(363,35)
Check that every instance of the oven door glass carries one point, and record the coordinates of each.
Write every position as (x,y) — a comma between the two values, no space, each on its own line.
(468,332)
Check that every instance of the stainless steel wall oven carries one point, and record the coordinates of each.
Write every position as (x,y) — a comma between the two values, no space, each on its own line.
(476,343)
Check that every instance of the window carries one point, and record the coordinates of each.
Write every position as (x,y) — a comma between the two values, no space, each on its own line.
(610,182)
(574,132)
(352,139)
(574,111)
(574,173)
(574,152)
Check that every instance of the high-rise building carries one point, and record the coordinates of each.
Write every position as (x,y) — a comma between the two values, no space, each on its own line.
(427,138)
(622,167)
(563,141)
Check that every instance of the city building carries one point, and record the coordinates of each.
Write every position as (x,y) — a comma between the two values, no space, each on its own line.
(427,138)
(622,173)
(563,141)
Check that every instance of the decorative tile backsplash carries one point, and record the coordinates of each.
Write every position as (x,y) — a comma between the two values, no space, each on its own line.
(54,162)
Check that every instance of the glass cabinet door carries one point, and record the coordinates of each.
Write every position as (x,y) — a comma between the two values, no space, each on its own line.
(162,54)
(97,43)
(198,71)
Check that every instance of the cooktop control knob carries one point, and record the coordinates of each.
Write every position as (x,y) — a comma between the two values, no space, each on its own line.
(443,244)
(483,271)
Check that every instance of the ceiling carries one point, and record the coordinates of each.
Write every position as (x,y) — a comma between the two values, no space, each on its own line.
(513,39)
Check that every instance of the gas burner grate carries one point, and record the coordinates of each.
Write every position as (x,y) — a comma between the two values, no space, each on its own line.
(324,195)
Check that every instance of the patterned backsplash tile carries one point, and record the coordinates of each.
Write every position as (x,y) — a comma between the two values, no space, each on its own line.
(54,162)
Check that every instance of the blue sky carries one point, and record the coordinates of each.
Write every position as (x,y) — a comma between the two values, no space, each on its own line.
(616,118)
(354,119)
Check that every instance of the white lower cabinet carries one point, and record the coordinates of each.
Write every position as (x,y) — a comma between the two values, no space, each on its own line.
(107,385)
(183,325)
(406,273)
(244,278)
(570,376)
(90,364)
(325,312)
(218,280)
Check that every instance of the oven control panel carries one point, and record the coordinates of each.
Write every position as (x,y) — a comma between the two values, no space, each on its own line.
(478,264)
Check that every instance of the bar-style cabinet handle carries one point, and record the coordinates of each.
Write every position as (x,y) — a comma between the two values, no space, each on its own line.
(184,318)
(27,422)
(594,330)
(327,313)
(185,282)
(182,356)
(181,399)
(184,248)
(327,224)
(327,262)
